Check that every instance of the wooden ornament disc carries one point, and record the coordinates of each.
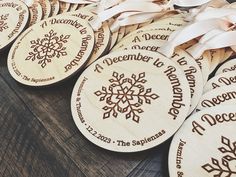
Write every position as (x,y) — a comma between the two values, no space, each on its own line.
(14,16)
(227,66)
(73,7)
(225,95)
(36,13)
(130,101)
(185,62)
(228,53)
(205,145)
(51,51)
(121,33)
(46,6)
(228,78)
(216,57)
(102,36)
(55,7)
(162,34)
(64,7)
(204,62)
(175,20)
(149,34)
(130,28)
(114,38)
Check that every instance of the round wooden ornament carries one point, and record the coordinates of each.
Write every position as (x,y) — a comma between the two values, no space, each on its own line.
(64,7)
(225,95)
(73,7)
(114,39)
(130,101)
(216,56)
(14,16)
(162,34)
(102,36)
(205,144)
(228,78)
(121,33)
(130,28)
(228,53)
(51,51)
(227,66)
(36,13)
(174,20)
(204,62)
(153,33)
(46,6)
(55,7)
(185,62)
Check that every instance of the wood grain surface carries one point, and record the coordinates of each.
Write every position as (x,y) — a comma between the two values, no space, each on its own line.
(39,138)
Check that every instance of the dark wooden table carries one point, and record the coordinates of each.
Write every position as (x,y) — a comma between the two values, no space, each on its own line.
(39,138)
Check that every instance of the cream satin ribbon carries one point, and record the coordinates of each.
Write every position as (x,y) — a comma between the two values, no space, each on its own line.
(208,25)
(136,11)
(222,40)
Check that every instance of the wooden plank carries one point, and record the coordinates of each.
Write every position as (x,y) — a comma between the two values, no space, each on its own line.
(27,148)
(51,107)
(155,165)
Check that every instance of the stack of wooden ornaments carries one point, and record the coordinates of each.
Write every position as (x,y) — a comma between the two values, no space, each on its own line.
(147,71)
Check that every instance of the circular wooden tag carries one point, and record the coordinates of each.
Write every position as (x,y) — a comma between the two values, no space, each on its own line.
(227,66)
(216,57)
(14,16)
(102,36)
(51,51)
(121,108)
(130,28)
(228,78)
(64,7)
(205,145)
(73,7)
(185,62)
(162,34)
(36,13)
(114,38)
(121,33)
(46,6)
(175,20)
(147,35)
(228,53)
(55,7)
(204,62)
(225,95)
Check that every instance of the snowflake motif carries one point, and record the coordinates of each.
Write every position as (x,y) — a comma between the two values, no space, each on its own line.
(125,95)
(47,48)
(223,168)
(3,24)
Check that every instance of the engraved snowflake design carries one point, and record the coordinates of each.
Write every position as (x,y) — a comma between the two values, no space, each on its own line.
(3,24)
(125,95)
(225,167)
(44,50)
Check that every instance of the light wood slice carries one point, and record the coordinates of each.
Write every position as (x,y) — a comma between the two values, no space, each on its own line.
(185,61)
(228,78)
(227,66)
(225,95)
(130,101)
(14,16)
(36,13)
(55,7)
(51,51)
(205,145)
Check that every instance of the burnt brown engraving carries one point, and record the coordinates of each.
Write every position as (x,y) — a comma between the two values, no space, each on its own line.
(52,45)
(125,95)
(223,167)
(3,24)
